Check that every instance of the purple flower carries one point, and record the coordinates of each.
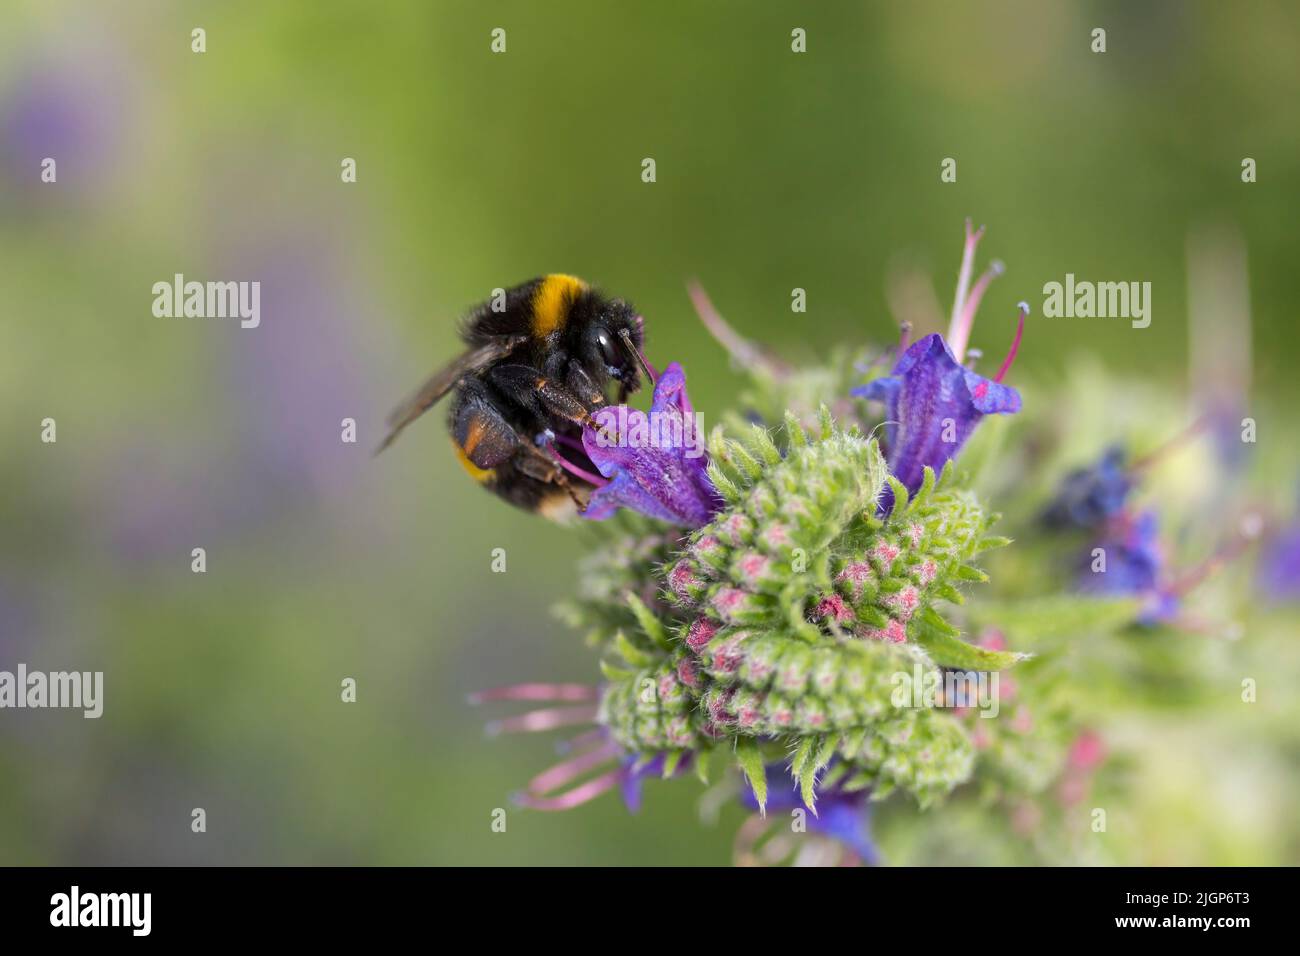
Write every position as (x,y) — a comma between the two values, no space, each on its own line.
(1089,497)
(933,402)
(635,772)
(1279,566)
(656,463)
(1135,565)
(932,405)
(841,816)
(73,109)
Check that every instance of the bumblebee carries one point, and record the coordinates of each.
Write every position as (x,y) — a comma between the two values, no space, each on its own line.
(540,360)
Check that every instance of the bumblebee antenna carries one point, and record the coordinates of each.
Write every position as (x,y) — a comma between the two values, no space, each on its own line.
(636,353)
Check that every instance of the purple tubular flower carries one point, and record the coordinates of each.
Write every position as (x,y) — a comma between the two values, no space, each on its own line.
(656,463)
(933,401)
(1089,497)
(1135,565)
(846,819)
(933,404)
(843,817)
(1278,571)
(634,774)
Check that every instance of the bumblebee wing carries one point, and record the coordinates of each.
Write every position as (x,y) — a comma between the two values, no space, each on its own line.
(470,363)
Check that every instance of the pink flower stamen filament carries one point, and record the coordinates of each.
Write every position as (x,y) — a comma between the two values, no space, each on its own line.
(904,337)
(1015,342)
(570,442)
(957,335)
(546,719)
(976,296)
(1172,445)
(589,477)
(1225,554)
(746,353)
(536,691)
(568,771)
(583,793)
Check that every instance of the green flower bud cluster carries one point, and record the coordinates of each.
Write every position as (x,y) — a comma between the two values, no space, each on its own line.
(788,624)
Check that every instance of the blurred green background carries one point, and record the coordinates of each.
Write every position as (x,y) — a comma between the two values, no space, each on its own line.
(475,170)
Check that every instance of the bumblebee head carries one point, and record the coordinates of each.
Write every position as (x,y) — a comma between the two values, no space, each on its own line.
(611,339)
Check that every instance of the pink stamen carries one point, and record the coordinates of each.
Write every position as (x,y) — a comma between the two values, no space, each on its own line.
(1188,433)
(1015,343)
(587,476)
(745,352)
(904,337)
(1225,554)
(570,770)
(548,719)
(973,300)
(583,793)
(957,335)
(535,691)
(570,442)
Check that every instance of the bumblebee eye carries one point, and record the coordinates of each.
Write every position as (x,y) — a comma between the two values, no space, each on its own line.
(609,351)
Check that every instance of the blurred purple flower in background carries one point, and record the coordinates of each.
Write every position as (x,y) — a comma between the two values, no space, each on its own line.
(69,104)
(1089,497)
(18,620)
(291,382)
(1278,568)
(305,368)
(1134,565)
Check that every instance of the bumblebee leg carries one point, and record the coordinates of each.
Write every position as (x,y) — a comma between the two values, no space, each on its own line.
(544,395)
(536,464)
(581,384)
(579,501)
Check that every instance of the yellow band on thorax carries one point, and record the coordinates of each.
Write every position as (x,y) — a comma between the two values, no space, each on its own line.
(551,302)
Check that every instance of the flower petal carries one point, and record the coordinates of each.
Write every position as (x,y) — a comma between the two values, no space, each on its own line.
(658,465)
(932,406)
